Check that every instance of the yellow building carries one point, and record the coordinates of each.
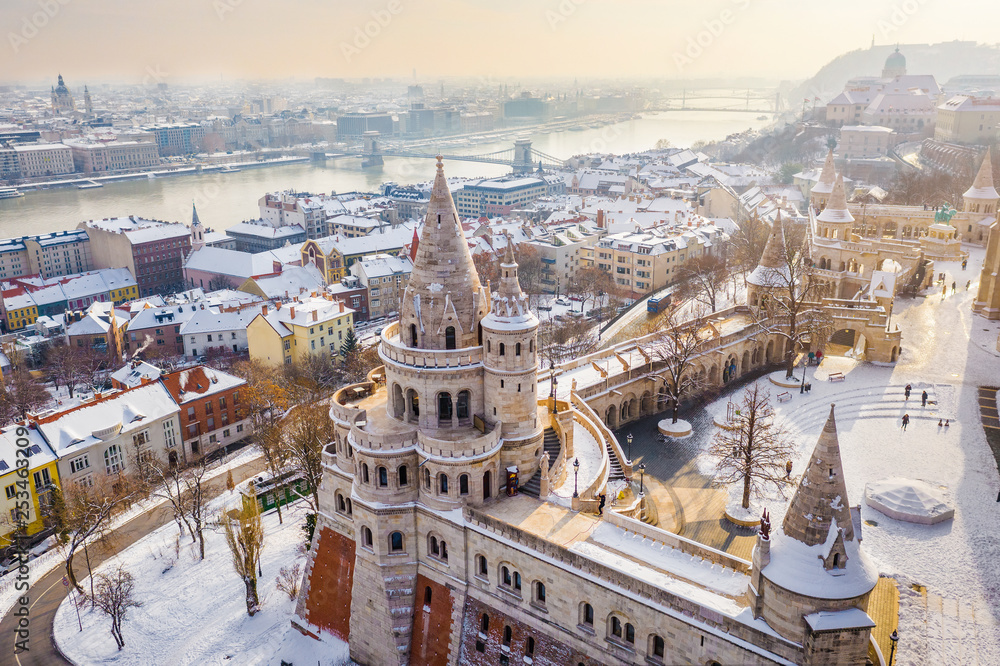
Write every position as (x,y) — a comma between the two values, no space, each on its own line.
(21,312)
(27,480)
(334,255)
(290,333)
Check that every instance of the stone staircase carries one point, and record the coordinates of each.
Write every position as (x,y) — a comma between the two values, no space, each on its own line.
(552,446)
(616,472)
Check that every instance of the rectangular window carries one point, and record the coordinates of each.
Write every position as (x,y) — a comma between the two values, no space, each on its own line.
(78,464)
(168,434)
(208,407)
(11,491)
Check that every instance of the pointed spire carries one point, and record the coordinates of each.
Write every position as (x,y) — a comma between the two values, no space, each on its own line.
(982,187)
(194,216)
(821,497)
(772,269)
(508,257)
(827,176)
(836,208)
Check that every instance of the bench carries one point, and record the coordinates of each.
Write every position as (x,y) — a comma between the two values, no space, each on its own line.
(837,377)
(784,397)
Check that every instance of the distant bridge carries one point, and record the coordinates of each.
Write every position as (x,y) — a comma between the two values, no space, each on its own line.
(522,158)
(762,102)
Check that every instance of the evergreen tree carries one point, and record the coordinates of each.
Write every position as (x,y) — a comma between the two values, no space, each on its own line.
(350,343)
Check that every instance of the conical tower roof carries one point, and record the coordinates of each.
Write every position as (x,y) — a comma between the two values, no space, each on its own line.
(194,216)
(444,289)
(982,187)
(772,270)
(836,208)
(827,176)
(510,304)
(821,497)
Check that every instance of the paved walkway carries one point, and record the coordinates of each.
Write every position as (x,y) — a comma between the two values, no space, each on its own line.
(48,592)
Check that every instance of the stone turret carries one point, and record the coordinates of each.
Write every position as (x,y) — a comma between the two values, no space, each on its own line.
(811,581)
(820,193)
(835,221)
(772,274)
(443,301)
(987,301)
(982,197)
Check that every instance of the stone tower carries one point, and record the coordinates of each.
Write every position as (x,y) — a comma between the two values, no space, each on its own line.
(197,230)
(510,333)
(772,275)
(821,191)
(811,581)
(836,221)
(982,197)
(987,301)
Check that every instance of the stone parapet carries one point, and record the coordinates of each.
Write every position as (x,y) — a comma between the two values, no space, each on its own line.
(392,350)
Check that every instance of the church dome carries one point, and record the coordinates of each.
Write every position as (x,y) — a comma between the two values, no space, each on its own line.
(896,60)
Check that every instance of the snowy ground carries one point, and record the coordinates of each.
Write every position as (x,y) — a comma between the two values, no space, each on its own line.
(589,453)
(956,620)
(194,611)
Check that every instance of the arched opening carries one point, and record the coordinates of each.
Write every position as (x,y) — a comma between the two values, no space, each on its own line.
(413,335)
(442,484)
(895,352)
(587,615)
(383,477)
(611,418)
(482,565)
(396,542)
(364,472)
(366,537)
(508,634)
(350,507)
(444,409)
(530,647)
(479,334)
(398,403)
(889,230)
(769,352)
(846,342)
(517,349)
(503,349)
(463,484)
(657,646)
(745,363)
(427,597)
(449,337)
(616,627)
(463,404)
(646,404)
(413,405)
(484,623)
(402,474)
(427,478)
(487,485)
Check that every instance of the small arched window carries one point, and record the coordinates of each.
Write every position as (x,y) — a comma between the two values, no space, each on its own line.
(402,474)
(483,565)
(366,537)
(444,550)
(489,347)
(443,484)
(517,349)
(587,616)
(539,592)
(517,581)
(658,647)
(629,633)
(350,508)
(531,346)
(530,648)
(836,560)
(413,335)
(427,595)
(484,623)
(396,542)
(341,505)
(508,634)
(383,477)
(434,547)
(463,484)
(364,472)
(505,576)
(503,349)
(427,478)
(449,337)
(616,627)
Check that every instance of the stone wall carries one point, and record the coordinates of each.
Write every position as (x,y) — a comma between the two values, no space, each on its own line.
(325,599)
(432,624)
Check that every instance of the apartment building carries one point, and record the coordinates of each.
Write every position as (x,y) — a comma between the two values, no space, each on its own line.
(22,443)
(290,333)
(498,196)
(385,278)
(153,251)
(212,410)
(92,156)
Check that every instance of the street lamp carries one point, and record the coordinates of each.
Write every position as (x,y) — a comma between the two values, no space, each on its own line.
(642,474)
(629,438)
(576,475)
(805,364)
(555,386)
(893,639)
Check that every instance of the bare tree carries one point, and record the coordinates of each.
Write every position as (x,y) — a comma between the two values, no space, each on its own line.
(702,278)
(307,430)
(23,392)
(754,449)
(194,495)
(245,538)
(571,339)
(747,244)
(114,596)
(592,284)
(167,485)
(88,509)
(676,346)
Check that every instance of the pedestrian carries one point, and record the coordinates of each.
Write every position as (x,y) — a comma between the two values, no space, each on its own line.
(953,287)
(944,290)
(600,508)
(923,399)
(947,422)
(907,391)
(906,420)
(968,284)
(940,423)
(788,469)
(964,263)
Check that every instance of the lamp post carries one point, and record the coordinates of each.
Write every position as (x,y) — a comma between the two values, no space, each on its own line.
(893,639)
(642,476)
(805,364)
(555,386)
(576,476)
(629,439)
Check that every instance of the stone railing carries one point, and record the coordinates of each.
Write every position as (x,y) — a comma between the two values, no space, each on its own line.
(557,467)
(678,542)
(393,350)
(444,448)
(365,441)
(603,433)
(588,497)
(648,592)
(342,411)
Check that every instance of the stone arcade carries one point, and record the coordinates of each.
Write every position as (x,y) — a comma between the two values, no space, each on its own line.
(421,557)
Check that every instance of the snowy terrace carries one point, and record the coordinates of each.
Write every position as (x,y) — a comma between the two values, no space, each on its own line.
(699,585)
(610,368)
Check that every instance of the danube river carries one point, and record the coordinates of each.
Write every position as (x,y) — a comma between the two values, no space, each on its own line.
(224,199)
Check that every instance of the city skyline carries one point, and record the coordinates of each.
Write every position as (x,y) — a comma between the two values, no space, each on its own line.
(263,39)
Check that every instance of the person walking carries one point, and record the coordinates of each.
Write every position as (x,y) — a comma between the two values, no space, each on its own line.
(788,469)
(923,399)
(968,284)
(944,290)
(600,508)
(953,287)
(907,391)
(906,420)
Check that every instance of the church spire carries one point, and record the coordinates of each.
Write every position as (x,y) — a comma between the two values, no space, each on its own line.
(828,176)
(982,187)
(836,209)
(821,497)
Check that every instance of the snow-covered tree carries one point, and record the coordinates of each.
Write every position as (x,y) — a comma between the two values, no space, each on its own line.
(754,448)
(114,596)
(675,347)
(245,538)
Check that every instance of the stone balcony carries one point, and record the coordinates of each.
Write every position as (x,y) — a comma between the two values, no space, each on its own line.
(392,350)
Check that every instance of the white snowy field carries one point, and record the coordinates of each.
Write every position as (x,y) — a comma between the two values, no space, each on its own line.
(194,611)
(946,352)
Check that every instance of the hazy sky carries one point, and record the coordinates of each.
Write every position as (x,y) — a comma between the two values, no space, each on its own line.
(182,40)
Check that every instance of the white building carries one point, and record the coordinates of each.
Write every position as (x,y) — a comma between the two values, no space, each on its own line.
(44,159)
(208,330)
(862,142)
(90,156)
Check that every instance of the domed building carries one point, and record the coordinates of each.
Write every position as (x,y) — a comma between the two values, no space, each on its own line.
(895,65)
(62,99)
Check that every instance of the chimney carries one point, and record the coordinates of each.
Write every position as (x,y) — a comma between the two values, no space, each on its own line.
(263,310)
(286,294)
(600,218)
(315,315)
(291,312)
(341,304)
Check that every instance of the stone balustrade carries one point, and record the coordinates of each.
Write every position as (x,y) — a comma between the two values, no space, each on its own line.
(393,350)
(470,448)
(345,413)
(369,442)
(603,434)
